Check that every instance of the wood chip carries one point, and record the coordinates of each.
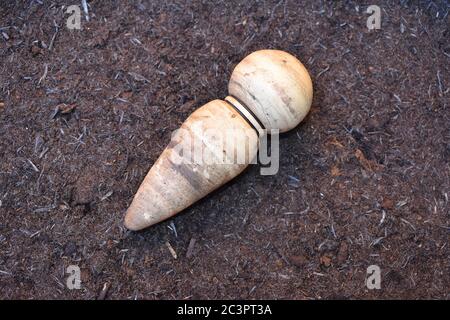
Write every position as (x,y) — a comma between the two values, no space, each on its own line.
(334,142)
(335,172)
(171,250)
(342,253)
(63,109)
(190,249)
(367,164)
(387,203)
(66,108)
(104,291)
(298,260)
(325,260)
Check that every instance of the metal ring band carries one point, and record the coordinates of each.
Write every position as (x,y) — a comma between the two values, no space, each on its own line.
(246,114)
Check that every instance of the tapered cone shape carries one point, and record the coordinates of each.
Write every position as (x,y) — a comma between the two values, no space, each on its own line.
(212,146)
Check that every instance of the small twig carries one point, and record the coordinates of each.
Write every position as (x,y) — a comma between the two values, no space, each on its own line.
(44,75)
(408,223)
(190,249)
(85,9)
(376,241)
(53,38)
(171,250)
(33,165)
(138,77)
(104,291)
(323,71)
(5,272)
(173,228)
(439,82)
(106,196)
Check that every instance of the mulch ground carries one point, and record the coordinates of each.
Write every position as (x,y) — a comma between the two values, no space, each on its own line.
(364,180)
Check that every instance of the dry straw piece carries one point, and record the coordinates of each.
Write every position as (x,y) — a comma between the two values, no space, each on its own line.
(269,89)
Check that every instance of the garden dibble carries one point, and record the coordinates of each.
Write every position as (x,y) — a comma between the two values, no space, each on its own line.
(268,90)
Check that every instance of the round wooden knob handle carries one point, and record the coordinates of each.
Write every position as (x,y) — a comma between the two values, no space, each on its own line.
(275,86)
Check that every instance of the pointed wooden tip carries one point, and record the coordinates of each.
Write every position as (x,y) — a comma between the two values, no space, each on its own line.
(136,219)
(176,181)
(131,221)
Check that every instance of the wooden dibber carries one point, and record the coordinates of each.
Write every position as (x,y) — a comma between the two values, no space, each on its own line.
(269,89)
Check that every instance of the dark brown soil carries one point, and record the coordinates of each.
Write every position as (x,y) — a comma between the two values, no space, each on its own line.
(372,158)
